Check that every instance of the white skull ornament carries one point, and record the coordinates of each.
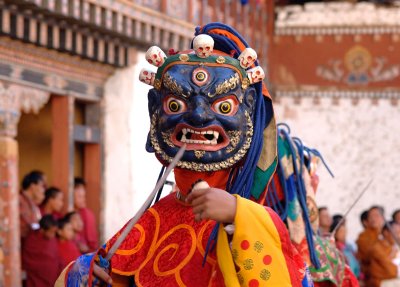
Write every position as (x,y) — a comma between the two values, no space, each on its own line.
(155,56)
(255,75)
(247,58)
(146,76)
(203,45)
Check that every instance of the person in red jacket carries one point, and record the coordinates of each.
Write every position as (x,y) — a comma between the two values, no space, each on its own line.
(40,257)
(89,232)
(66,245)
(53,203)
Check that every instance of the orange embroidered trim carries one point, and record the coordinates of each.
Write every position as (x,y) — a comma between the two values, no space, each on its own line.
(151,249)
(126,252)
(175,271)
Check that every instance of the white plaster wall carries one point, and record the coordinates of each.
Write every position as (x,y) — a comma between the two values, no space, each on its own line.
(359,142)
(130,172)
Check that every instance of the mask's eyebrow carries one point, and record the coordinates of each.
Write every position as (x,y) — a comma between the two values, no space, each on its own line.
(172,85)
(226,86)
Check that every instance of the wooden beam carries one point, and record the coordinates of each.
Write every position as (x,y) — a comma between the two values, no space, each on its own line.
(90,46)
(190,11)
(33,30)
(101,47)
(43,34)
(86,11)
(86,134)
(56,37)
(6,25)
(79,43)
(20,26)
(62,146)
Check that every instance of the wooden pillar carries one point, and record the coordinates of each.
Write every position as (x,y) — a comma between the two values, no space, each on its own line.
(92,176)
(62,146)
(9,214)
(163,6)
(10,271)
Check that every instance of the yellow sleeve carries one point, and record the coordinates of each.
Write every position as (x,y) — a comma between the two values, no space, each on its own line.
(255,257)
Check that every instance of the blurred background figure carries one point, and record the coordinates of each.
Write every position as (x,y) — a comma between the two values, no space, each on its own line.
(385,256)
(342,244)
(325,220)
(53,203)
(66,246)
(32,194)
(396,216)
(369,237)
(89,232)
(40,257)
(77,225)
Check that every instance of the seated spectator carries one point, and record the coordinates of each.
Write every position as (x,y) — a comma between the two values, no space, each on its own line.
(89,232)
(53,203)
(31,196)
(325,221)
(77,226)
(66,246)
(343,246)
(385,259)
(396,216)
(369,237)
(40,257)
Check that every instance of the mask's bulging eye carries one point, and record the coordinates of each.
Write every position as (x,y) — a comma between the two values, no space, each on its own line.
(174,106)
(226,106)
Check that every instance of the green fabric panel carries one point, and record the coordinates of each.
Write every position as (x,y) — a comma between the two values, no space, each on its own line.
(261,179)
(283,147)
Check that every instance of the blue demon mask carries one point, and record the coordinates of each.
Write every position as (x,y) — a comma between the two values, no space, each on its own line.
(205,102)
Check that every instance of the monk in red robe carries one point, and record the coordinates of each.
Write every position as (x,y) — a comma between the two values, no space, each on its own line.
(40,257)
(89,233)
(66,245)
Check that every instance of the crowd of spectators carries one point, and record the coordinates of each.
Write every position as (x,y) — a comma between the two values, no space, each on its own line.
(52,238)
(377,256)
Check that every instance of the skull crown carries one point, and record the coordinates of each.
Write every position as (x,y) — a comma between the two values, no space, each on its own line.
(155,56)
(203,45)
(247,58)
(147,76)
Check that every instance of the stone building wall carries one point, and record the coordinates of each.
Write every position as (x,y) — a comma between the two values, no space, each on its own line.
(130,172)
(359,140)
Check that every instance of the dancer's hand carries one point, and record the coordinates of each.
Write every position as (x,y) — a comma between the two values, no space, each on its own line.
(101,275)
(212,203)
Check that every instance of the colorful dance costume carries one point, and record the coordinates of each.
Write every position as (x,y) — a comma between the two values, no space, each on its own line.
(212,99)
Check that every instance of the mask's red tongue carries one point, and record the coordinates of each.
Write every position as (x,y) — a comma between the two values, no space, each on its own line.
(198,137)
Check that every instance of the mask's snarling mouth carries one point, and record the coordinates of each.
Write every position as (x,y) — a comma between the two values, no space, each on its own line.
(211,138)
